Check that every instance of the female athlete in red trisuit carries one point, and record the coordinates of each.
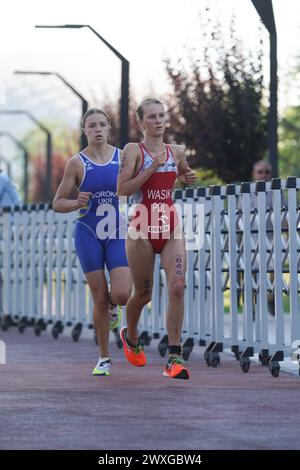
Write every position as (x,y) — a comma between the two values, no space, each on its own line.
(149,170)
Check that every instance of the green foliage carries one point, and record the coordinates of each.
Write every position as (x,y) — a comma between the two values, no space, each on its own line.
(204,178)
(289,143)
(216,106)
(207,178)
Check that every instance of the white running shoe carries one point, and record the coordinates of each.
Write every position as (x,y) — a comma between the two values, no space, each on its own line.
(103,366)
(115,315)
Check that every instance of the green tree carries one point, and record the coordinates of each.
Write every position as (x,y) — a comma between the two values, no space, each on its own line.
(216,107)
(289,143)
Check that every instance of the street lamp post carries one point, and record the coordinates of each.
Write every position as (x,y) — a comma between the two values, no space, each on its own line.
(265,10)
(25,154)
(124,108)
(48,146)
(84,103)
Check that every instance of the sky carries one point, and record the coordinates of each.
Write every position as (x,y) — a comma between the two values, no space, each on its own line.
(144,32)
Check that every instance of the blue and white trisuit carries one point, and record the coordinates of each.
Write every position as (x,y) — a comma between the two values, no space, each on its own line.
(100,229)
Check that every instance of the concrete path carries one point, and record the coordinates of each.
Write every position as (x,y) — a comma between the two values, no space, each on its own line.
(49,400)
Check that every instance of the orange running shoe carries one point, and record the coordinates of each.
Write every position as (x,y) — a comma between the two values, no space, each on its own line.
(176,369)
(135,356)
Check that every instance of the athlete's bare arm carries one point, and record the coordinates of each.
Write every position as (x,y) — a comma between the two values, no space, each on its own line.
(185,174)
(63,201)
(127,183)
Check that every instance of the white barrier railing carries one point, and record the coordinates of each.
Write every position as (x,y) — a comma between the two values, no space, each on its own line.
(250,249)
(42,281)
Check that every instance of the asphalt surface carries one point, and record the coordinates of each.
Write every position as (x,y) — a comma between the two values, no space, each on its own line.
(50,400)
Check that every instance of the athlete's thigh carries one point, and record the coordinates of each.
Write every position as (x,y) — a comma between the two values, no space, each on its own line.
(141,260)
(115,254)
(98,285)
(88,248)
(173,259)
(120,283)
(119,272)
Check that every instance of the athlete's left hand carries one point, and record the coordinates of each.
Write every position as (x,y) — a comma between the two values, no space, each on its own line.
(189,177)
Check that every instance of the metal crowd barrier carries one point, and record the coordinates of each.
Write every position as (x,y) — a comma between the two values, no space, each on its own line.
(246,248)
(41,280)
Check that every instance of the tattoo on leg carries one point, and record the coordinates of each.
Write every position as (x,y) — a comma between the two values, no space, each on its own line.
(179,265)
(122,163)
(146,285)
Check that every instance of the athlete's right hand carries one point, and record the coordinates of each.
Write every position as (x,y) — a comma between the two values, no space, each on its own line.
(83,199)
(159,160)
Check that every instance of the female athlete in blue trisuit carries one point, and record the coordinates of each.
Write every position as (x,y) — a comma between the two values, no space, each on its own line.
(100,229)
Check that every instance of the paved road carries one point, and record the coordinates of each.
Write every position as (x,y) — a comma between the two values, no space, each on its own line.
(49,400)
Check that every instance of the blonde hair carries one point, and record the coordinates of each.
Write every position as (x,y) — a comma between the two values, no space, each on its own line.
(93,111)
(145,102)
